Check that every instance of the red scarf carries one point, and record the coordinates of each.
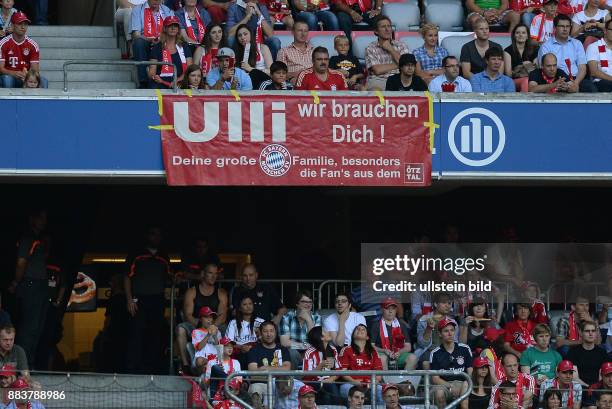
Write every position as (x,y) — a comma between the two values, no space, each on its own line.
(570,392)
(549,81)
(538,309)
(526,332)
(603,62)
(396,341)
(190,30)
(573,331)
(153,24)
(167,70)
(209,61)
(361,3)
(568,63)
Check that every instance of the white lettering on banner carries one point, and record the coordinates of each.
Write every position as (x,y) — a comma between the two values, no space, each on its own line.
(212,122)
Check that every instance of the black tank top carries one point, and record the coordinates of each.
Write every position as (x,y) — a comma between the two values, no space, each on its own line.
(201,300)
(478,402)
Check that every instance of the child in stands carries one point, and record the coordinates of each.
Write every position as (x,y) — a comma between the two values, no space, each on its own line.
(346,62)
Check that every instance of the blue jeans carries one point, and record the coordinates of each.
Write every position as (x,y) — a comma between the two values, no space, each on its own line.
(346,23)
(142,50)
(329,20)
(526,18)
(8,81)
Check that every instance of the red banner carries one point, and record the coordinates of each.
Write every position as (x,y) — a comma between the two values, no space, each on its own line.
(296,140)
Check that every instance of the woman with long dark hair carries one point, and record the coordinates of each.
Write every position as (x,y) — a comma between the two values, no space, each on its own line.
(520,57)
(322,356)
(243,330)
(473,326)
(360,355)
(482,385)
(206,54)
(193,78)
(253,58)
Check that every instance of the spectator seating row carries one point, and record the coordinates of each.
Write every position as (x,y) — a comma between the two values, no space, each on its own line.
(361,39)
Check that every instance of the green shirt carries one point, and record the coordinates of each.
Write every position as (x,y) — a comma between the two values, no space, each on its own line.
(547,361)
(488,4)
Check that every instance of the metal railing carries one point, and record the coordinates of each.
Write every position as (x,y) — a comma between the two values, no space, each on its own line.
(575,287)
(373,374)
(112,62)
(349,283)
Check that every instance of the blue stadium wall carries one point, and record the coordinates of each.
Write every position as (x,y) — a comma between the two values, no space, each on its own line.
(479,137)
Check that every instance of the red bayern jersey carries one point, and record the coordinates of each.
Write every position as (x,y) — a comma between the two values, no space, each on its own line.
(519,334)
(308,80)
(359,362)
(17,56)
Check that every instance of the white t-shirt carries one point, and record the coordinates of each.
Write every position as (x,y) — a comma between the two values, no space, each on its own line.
(209,349)
(229,366)
(331,324)
(245,336)
(594,54)
(581,17)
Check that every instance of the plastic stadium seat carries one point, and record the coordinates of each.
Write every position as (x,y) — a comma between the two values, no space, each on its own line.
(360,41)
(502,39)
(324,39)
(411,39)
(446,14)
(285,37)
(454,43)
(405,16)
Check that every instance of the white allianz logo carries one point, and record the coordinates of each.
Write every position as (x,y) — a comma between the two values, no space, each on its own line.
(479,145)
(212,122)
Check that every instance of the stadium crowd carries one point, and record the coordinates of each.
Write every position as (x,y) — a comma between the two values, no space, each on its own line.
(516,354)
(243,53)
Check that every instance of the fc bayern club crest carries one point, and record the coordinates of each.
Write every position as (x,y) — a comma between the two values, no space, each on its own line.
(275,160)
(460,360)
(26,51)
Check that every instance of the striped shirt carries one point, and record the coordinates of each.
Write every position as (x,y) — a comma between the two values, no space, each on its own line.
(312,359)
(296,59)
(376,55)
(290,325)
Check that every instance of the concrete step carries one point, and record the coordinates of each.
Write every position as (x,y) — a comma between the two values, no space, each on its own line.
(93,85)
(57,65)
(79,54)
(73,42)
(70,31)
(89,76)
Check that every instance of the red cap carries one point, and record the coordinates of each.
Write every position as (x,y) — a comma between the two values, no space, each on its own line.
(606,368)
(206,312)
(19,384)
(225,340)
(480,362)
(387,302)
(306,389)
(389,386)
(19,17)
(491,334)
(7,370)
(235,383)
(444,322)
(565,365)
(168,21)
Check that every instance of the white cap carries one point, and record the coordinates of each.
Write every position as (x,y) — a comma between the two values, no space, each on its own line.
(226,52)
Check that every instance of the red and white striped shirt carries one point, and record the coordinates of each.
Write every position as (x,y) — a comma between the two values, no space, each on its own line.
(17,56)
(312,359)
